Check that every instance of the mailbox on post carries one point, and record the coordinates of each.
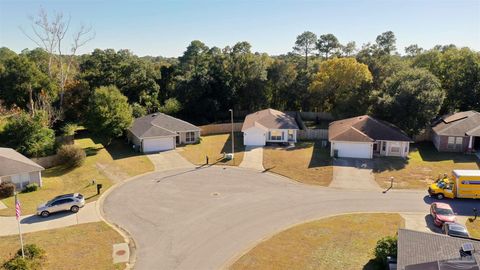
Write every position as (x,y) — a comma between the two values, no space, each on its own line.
(99,187)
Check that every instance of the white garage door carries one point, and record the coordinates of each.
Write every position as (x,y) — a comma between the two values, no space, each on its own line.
(353,150)
(254,136)
(158,144)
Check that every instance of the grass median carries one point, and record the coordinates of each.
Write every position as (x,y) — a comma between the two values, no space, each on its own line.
(340,242)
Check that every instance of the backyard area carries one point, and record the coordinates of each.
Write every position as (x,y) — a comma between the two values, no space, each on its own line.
(423,165)
(307,162)
(104,165)
(214,146)
(86,246)
(324,244)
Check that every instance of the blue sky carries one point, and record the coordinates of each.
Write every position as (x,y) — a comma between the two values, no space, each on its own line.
(167,27)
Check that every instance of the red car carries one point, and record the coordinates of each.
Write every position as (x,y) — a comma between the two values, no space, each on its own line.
(441,213)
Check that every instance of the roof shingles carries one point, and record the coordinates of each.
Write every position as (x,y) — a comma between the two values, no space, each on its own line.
(270,119)
(160,125)
(16,163)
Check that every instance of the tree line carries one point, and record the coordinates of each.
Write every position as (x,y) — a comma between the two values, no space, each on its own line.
(106,88)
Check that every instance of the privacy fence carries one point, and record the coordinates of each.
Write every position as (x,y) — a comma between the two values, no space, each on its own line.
(220,128)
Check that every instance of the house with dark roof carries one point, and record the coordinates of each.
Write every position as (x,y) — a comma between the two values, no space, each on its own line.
(364,136)
(429,251)
(160,132)
(269,126)
(18,169)
(458,132)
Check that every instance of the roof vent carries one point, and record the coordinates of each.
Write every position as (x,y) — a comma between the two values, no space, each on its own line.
(467,249)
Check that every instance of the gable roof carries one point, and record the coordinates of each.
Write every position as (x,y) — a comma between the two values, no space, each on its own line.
(270,119)
(15,163)
(459,124)
(416,247)
(159,125)
(364,129)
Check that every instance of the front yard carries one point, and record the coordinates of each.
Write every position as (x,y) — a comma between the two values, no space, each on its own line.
(423,165)
(105,166)
(474,228)
(307,162)
(86,246)
(214,146)
(339,242)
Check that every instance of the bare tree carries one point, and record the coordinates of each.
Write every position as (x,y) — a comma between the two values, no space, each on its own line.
(50,34)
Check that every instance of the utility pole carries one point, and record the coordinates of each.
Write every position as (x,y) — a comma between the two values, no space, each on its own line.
(233,138)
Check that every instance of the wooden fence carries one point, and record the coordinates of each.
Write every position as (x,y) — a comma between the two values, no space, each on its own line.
(313,116)
(424,135)
(47,162)
(220,128)
(313,134)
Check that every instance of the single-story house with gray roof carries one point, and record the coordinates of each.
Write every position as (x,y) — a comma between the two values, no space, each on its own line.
(160,132)
(458,132)
(430,251)
(269,126)
(18,169)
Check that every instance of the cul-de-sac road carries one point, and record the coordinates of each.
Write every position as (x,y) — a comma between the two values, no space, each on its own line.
(203,219)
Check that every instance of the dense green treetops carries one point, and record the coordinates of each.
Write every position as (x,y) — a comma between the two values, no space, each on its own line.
(108,87)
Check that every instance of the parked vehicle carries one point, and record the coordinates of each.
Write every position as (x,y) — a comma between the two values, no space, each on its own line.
(462,184)
(455,230)
(68,202)
(441,213)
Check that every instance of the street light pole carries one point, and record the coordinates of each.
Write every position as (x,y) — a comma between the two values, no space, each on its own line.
(233,138)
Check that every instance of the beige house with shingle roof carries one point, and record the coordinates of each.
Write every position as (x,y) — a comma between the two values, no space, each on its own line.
(18,169)
(269,126)
(364,136)
(160,132)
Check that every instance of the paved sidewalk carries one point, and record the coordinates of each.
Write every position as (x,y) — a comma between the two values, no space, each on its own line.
(33,223)
(353,174)
(253,158)
(169,160)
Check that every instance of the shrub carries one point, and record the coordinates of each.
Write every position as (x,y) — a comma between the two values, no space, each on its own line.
(7,189)
(32,252)
(69,129)
(386,246)
(30,188)
(72,156)
(34,255)
(18,263)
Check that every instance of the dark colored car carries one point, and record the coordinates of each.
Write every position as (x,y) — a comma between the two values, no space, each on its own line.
(455,230)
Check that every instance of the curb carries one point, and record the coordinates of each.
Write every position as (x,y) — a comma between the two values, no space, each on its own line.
(123,232)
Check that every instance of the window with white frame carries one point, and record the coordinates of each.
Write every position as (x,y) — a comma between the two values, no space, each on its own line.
(455,143)
(276,135)
(395,149)
(190,136)
(290,135)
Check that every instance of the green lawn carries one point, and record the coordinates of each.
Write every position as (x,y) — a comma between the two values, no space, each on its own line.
(85,246)
(106,166)
(214,146)
(340,242)
(307,162)
(423,165)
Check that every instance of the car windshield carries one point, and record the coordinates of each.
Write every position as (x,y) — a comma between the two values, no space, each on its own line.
(459,232)
(444,212)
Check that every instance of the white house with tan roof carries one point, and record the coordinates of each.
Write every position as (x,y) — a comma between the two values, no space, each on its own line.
(269,125)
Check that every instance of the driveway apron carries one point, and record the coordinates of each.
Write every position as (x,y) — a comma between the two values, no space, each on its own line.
(353,174)
(169,160)
(253,158)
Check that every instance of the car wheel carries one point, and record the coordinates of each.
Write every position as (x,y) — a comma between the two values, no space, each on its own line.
(45,214)
(74,209)
(440,196)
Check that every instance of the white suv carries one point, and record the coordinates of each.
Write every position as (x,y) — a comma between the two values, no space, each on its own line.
(68,202)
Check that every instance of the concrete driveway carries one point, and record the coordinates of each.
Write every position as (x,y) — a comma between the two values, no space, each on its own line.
(253,158)
(206,218)
(169,160)
(33,223)
(353,174)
